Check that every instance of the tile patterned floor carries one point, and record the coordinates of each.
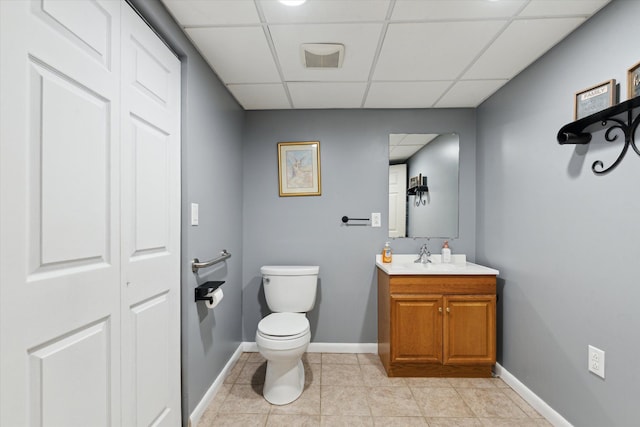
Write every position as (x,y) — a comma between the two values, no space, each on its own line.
(353,390)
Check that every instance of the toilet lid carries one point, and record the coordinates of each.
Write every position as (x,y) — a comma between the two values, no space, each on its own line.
(284,324)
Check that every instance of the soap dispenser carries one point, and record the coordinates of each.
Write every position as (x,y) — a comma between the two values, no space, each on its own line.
(386,253)
(446,252)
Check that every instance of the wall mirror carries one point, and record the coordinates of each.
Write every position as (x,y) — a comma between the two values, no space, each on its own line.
(423,185)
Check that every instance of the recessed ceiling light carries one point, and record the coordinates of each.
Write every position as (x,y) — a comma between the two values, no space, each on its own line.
(292,2)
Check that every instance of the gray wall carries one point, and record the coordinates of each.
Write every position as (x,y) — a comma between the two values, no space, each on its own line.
(438,217)
(211,176)
(565,241)
(354,148)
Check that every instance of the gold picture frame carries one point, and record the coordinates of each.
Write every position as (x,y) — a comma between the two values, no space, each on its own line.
(299,169)
(633,81)
(594,99)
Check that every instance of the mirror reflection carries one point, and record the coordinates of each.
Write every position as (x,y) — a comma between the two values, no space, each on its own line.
(423,185)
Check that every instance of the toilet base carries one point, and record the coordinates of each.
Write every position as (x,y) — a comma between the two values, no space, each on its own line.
(284,381)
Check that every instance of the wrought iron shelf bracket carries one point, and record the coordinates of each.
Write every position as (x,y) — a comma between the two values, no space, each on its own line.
(617,119)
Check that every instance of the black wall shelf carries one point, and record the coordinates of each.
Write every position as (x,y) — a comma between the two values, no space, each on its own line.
(619,118)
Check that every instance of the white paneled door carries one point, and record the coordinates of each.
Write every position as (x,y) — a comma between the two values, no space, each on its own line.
(89,217)
(397,200)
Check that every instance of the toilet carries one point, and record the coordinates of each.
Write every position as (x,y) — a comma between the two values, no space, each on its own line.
(283,336)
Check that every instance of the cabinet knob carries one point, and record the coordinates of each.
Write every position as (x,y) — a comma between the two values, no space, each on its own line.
(448,309)
(440,309)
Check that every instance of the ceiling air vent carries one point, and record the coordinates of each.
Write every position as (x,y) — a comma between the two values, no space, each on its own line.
(322,55)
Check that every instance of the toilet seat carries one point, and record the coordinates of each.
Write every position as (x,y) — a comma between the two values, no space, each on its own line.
(284,326)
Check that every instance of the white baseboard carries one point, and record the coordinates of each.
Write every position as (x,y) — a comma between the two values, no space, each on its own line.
(198,411)
(531,398)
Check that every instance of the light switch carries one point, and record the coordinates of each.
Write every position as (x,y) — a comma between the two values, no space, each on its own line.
(194,214)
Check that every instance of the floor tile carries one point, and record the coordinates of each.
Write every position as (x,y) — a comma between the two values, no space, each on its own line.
(354,390)
(234,372)
(340,358)
(392,401)
(521,422)
(526,408)
(340,400)
(490,403)
(375,375)
(255,358)
(312,373)
(293,421)
(441,402)
(400,422)
(307,404)
(245,399)
(345,421)
(312,358)
(252,373)
(347,375)
(215,405)
(428,382)
(369,359)
(472,382)
(454,422)
(239,420)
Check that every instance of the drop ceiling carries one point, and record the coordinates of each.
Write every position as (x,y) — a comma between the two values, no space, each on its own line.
(398,53)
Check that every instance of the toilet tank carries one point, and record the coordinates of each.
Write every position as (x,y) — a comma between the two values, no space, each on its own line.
(290,288)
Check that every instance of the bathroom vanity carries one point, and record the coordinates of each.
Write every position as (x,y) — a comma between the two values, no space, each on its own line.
(435,319)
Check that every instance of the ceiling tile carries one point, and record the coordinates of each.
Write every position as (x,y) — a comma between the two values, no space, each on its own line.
(402,152)
(520,45)
(418,10)
(426,51)
(360,43)
(326,95)
(261,96)
(469,93)
(218,12)
(405,94)
(325,11)
(562,7)
(237,54)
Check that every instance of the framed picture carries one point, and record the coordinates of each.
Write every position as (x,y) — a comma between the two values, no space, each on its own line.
(594,99)
(633,81)
(299,168)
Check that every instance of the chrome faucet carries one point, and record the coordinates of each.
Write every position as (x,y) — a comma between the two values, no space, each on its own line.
(423,255)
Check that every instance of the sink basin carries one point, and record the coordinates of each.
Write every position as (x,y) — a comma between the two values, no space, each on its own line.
(403,264)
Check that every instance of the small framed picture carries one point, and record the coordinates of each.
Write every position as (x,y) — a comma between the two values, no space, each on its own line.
(633,81)
(299,168)
(594,99)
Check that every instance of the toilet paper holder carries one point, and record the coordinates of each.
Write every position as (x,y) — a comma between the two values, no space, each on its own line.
(206,288)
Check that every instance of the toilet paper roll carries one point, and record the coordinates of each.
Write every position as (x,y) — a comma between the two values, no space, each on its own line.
(217,296)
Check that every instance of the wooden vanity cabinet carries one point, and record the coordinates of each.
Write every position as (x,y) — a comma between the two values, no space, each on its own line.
(437,325)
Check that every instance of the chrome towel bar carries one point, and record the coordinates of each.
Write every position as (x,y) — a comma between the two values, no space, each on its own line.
(196,264)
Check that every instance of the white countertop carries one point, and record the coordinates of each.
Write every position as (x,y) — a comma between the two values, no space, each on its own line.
(403,264)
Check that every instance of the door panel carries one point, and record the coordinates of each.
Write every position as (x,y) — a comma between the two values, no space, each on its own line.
(89,217)
(70,378)
(151,227)
(59,214)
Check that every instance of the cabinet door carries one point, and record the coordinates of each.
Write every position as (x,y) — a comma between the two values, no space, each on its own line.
(470,329)
(416,328)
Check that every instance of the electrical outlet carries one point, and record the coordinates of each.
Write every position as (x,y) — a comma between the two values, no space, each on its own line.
(596,361)
(375,219)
